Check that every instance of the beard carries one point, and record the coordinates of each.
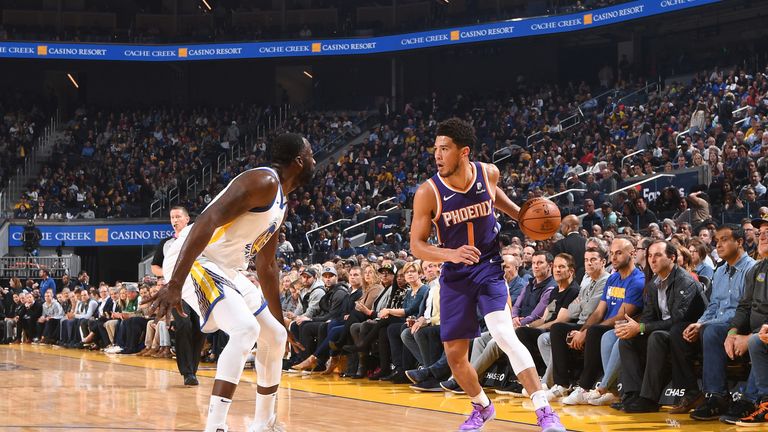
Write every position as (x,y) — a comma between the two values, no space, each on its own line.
(306,175)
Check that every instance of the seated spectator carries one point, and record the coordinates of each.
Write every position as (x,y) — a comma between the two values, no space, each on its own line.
(622,297)
(422,337)
(534,298)
(330,313)
(33,310)
(672,302)
(48,323)
(563,270)
(711,331)
(515,281)
(411,310)
(70,335)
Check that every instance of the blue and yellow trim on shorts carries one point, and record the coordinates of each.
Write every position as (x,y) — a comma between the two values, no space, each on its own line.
(209,289)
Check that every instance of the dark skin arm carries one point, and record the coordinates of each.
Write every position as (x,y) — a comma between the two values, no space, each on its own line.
(269,278)
(252,189)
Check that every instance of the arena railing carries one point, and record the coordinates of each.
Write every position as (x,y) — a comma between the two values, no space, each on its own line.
(28,266)
(16,183)
(235,152)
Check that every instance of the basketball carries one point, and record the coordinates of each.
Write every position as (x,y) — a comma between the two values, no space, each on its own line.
(539,218)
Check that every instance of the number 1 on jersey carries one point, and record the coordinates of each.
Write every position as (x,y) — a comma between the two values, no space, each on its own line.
(471,234)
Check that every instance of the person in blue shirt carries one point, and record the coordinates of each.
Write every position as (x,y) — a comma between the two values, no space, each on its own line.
(712,328)
(622,298)
(47,283)
(515,281)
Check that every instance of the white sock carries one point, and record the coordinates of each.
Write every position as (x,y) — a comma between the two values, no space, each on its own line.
(265,408)
(481,399)
(539,399)
(217,413)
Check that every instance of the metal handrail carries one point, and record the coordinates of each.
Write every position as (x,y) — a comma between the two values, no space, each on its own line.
(386,200)
(630,155)
(637,91)
(362,223)
(173,196)
(322,227)
(685,132)
(656,177)
(565,192)
(740,109)
(528,138)
(742,121)
(155,208)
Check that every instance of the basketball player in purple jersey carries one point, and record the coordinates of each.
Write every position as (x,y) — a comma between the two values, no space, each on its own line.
(459,201)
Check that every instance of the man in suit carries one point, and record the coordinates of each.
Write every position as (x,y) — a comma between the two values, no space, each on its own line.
(573,243)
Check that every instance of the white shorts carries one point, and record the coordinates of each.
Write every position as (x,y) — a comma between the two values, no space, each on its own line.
(207,284)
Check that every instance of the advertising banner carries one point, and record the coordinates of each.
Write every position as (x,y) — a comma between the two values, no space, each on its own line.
(515,28)
(94,235)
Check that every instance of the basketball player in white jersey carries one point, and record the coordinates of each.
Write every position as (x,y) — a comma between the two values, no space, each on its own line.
(205,265)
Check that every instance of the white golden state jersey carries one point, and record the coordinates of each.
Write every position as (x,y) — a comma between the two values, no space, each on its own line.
(233,245)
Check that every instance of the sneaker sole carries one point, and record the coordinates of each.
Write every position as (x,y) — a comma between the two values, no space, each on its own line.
(743,424)
(481,427)
(705,418)
(410,378)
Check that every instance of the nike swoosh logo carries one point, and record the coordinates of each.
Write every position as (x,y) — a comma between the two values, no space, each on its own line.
(446,198)
(494,261)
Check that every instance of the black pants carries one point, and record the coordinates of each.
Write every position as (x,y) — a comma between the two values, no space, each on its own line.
(29,327)
(135,329)
(565,362)
(345,337)
(682,356)
(309,336)
(529,336)
(645,364)
(385,350)
(431,336)
(102,338)
(189,340)
(402,358)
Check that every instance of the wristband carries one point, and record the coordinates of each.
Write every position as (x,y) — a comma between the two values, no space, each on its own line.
(642,329)
(732,332)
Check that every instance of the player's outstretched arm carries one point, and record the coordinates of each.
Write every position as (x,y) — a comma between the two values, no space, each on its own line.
(501,200)
(424,206)
(251,189)
(269,276)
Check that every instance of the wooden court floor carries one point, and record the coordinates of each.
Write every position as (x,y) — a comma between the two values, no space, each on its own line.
(53,389)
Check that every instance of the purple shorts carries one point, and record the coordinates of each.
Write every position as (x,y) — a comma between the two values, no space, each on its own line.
(465,291)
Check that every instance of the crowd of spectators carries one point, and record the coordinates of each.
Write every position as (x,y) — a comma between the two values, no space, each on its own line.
(649,313)
(22,120)
(680,290)
(74,313)
(149,152)
(223,28)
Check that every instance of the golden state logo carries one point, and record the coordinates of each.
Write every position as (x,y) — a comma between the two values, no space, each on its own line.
(761,277)
(252,249)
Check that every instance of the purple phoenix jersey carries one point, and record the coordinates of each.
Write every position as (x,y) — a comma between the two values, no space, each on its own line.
(467,218)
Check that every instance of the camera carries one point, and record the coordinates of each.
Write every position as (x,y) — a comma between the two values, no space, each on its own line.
(31,237)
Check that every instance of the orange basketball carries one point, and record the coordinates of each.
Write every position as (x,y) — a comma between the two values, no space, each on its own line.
(539,218)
